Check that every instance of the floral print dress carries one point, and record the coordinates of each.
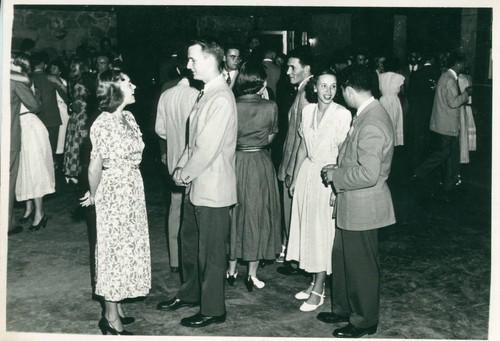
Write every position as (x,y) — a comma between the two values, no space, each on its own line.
(76,130)
(123,260)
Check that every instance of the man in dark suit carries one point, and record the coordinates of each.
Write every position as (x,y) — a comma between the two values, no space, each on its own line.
(273,71)
(421,95)
(20,93)
(363,205)
(445,123)
(408,70)
(47,87)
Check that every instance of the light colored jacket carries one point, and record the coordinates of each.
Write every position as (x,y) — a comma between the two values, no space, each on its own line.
(364,200)
(445,118)
(209,160)
(294,119)
(174,107)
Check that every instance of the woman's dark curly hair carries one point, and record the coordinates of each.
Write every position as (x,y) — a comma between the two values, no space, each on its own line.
(109,95)
(251,78)
(311,95)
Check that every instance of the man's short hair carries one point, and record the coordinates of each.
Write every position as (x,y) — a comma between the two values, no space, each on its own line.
(456,57)
(231,46)
(358,77)
(211,46)
(303,54)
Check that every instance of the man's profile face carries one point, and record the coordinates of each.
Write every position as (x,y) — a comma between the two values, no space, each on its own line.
(296,71)
(199,63)
(232,59)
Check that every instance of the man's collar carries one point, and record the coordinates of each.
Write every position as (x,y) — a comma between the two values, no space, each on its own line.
(267,60)
(214,81)
(364,105)
(302,84)
(453,73)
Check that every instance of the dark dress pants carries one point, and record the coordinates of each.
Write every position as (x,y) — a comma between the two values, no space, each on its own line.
(13,169)
(446,155)
(53,136)
(203,234)
(355,279)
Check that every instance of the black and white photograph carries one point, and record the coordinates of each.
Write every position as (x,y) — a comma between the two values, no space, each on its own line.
(238,169)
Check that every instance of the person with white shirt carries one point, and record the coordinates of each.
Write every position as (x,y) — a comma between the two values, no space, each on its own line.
(231,64)
(207,169)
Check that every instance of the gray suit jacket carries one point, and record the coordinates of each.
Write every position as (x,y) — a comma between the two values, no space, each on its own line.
(364,200)
(445,118)
(19,93)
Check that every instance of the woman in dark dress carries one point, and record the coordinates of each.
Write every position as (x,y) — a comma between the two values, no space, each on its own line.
(255,230)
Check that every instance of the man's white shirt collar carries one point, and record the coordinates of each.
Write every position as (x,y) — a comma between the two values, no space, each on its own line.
(453,73)
(302,84)
(364,105)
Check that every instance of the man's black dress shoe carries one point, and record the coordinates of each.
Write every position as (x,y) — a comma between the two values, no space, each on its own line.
(289,270)
(15,230)
(200,320)
(174,269)
(351,331)
(174,304)
(331,318)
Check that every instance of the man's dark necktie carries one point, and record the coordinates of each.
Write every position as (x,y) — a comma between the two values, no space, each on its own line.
(228,79)
(200,95)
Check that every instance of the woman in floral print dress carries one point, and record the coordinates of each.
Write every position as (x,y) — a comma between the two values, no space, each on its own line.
(123,261)
(82,94)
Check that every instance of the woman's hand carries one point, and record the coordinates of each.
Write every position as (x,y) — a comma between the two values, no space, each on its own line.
(87,200)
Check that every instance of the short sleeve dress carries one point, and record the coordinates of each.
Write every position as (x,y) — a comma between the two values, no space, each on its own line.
(123,260)
(312,228)
(256,225)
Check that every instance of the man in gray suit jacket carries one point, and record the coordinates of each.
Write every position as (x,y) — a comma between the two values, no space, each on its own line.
(445,123)
(363,204)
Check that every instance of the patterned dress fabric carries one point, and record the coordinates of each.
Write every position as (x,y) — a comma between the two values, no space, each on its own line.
(390,83)
(312,227)
(256,225)
(123,260)
(35,176)
(76,130)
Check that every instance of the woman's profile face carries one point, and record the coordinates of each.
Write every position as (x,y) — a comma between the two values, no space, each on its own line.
(128,89)
(326,87)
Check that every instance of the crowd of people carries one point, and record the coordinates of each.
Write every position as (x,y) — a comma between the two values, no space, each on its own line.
(273,158)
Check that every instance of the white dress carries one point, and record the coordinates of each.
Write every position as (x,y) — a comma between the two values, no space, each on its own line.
(390,84)
(312,227)
(63,111)
(35,177)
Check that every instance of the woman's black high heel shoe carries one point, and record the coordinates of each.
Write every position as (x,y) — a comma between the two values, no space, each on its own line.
(249,283)
(105,327)
(30,217)
(42,223)
(231,278)
(127,320)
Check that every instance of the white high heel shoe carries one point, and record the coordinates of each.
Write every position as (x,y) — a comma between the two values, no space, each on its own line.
(257,282)
(303,295)
(311,307)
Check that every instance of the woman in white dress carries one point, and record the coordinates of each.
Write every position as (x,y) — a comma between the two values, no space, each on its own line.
(35,177)
(391,84)
(324,127)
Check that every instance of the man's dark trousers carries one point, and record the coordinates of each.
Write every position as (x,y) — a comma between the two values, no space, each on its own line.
(446,155)
(203,234)
(355,280)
